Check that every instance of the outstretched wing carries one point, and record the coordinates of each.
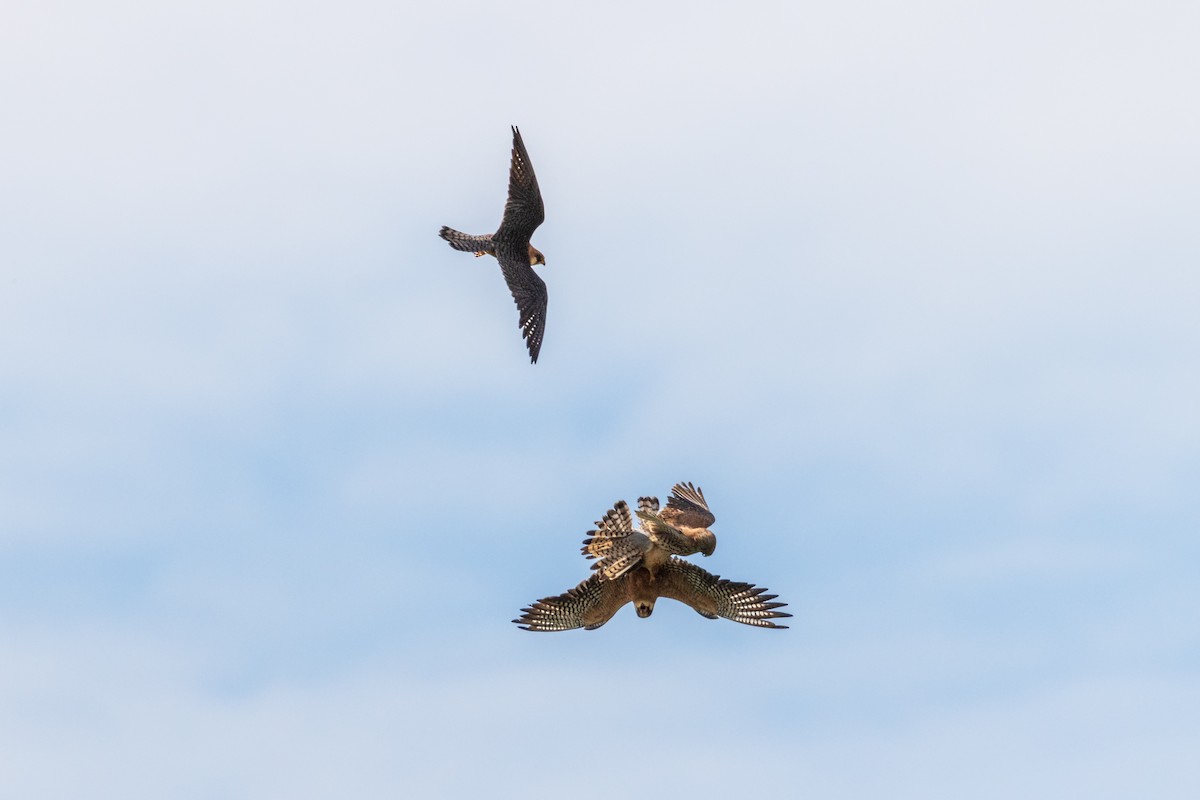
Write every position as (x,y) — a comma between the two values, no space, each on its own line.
(589,605)
(648,504)
(712,596)
(528,291)
(687,508)
(524,210)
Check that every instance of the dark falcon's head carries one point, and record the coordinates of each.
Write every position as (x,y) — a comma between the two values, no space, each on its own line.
(536,257)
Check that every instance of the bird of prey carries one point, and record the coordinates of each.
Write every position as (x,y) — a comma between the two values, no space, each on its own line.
(679,529)
(523,212)
(593,602)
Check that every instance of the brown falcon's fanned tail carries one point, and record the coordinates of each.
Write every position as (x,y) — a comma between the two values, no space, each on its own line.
(648,504)
(620,556)
(615,545)
(466,242)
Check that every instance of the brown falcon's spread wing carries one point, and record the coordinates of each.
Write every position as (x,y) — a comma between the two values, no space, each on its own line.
(712,596)
(589,605)
(687,508)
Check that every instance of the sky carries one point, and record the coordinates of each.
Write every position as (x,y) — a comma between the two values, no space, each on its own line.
(909,289)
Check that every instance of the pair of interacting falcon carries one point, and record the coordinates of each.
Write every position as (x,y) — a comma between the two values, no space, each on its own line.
(632,565)
(640,566)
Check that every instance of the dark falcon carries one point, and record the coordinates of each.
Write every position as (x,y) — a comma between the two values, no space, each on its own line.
(523,213)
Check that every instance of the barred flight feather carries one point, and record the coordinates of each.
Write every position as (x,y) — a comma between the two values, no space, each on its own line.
(648,504)
(467,242)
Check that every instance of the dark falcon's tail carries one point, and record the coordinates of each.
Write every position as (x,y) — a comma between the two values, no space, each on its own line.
(468,243)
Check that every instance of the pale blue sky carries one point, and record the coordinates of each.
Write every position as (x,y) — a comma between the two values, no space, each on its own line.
(910,289)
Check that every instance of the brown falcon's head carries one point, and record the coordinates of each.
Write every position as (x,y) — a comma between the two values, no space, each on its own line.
(706,542)
(644,606)
(536,257)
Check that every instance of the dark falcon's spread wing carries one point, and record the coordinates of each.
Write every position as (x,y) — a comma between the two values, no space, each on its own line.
(523,213)
(528,290)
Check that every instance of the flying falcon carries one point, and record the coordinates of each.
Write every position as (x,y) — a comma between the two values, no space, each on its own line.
(523,212)
(679,529)
(593,602)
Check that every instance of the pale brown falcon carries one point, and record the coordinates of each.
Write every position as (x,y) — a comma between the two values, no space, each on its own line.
(593,602)
(679,529)
(510,245)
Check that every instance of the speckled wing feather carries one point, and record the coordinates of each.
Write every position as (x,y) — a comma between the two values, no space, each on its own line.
(528,291)
(713,596)
(524,210)
(665,535)
(615,545)
(687,508)
(648,504)
(523,213)
(589,605)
